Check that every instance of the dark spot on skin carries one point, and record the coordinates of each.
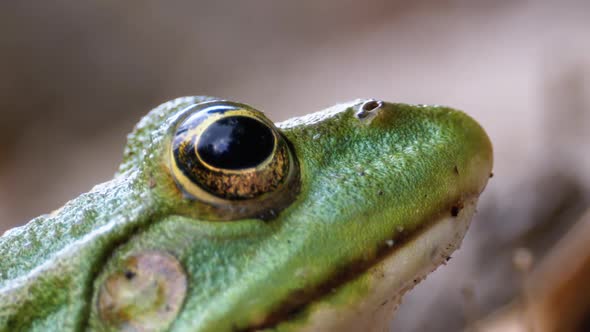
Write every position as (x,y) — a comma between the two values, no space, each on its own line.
(129,275)
(455,209)
(456,169)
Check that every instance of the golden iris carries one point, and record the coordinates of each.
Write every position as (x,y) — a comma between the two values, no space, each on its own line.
(229,151)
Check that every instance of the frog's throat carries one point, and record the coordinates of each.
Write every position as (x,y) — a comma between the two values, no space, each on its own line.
(395,273)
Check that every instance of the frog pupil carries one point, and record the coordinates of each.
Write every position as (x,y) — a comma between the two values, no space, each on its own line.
(235,142)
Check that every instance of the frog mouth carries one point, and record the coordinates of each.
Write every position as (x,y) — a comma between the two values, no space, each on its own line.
(396,270)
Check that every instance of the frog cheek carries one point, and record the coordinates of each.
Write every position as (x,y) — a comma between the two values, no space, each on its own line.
(224,152)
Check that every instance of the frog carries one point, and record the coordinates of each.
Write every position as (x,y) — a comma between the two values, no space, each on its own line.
(219,219)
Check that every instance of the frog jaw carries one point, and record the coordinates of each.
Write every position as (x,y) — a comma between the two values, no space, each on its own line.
(385,282)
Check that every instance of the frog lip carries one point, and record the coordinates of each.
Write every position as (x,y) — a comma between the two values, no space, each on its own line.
(300,303)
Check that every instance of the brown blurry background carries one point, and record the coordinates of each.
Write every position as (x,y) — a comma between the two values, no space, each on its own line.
(75,76)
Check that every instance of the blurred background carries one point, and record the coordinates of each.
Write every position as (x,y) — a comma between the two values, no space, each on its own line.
(75,76)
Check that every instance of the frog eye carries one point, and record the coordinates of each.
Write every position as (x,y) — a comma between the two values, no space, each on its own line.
(229,151)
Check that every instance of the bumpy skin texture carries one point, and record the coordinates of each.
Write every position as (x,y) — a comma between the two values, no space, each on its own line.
(363,183)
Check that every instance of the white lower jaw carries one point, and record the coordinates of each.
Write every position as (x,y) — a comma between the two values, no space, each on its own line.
(388,281)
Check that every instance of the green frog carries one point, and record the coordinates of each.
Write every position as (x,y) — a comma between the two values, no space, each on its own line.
(220,220)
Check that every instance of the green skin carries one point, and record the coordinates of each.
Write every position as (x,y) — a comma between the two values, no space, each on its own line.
(369,189)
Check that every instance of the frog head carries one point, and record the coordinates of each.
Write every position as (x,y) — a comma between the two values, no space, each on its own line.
(221,220)
(317,223)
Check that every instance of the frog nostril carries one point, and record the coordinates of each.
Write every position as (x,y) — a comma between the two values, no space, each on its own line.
(368,107)
(371,105)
